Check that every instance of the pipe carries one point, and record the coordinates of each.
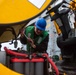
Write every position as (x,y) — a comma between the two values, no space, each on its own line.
(10,52)
(52,63)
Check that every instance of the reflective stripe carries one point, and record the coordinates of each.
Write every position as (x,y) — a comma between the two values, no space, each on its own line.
(29,34)
(39,40)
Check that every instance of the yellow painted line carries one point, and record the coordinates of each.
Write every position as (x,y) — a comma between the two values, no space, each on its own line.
(6,71)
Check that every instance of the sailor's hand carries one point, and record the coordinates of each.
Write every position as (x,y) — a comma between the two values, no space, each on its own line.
(31,42)
(33,45)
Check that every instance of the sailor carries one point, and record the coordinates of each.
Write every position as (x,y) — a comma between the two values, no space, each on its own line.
(35,37)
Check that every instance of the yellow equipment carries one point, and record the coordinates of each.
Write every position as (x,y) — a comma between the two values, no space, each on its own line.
(67,41)
(56,25)
(6,71)
(15,14)
(73,5)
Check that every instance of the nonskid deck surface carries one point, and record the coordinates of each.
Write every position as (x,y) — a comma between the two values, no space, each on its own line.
(6,71)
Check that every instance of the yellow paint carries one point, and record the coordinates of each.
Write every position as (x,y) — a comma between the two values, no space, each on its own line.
(12,11)
(56,25)
(57,28)
(6,71)
(73,5)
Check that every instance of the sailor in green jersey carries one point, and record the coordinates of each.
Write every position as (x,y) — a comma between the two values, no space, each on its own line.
(37,36)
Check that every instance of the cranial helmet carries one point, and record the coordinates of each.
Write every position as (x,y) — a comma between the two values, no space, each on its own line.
(41,24)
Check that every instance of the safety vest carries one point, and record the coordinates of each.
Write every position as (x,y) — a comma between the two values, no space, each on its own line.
(29,31)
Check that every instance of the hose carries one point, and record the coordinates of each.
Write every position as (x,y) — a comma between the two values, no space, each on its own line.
(52,63)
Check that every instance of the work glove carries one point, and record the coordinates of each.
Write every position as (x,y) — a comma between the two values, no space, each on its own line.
(31,42)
